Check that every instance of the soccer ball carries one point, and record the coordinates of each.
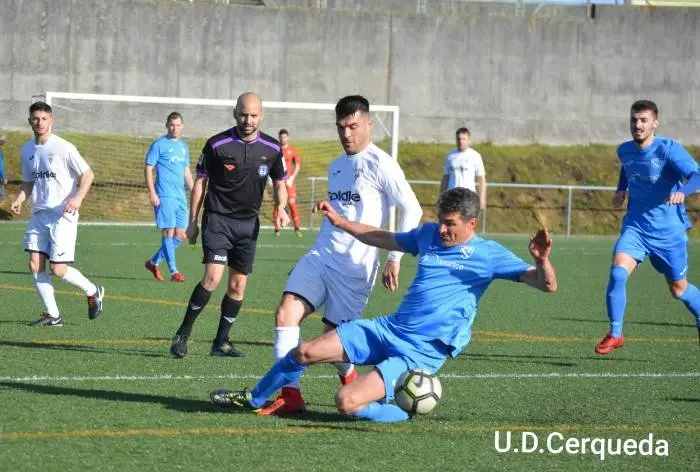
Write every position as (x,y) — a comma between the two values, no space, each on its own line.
(417,391)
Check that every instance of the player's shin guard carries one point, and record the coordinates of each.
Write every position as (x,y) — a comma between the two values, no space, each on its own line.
(382,413)
(44,288)
(74,277)
(691,299)
(294,211)
(229,312)
(286,339)
(617,299)
(284,372)
(198,300)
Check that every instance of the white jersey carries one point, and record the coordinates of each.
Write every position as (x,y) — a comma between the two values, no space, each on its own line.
(54,167)
(362,187)
(463,167)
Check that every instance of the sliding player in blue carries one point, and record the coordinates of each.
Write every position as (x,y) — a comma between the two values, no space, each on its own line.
(169,155)
(659,175)
(433,322)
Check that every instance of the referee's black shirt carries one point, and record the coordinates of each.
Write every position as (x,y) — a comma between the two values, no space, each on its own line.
(238,171)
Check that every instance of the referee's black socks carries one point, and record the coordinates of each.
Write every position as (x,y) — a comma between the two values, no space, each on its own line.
(229,312)
(198,300)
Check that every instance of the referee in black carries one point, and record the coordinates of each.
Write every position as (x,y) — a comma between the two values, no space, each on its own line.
(234,167)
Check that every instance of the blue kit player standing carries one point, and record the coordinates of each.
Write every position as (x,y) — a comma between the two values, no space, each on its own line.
(169,155)
(433,322)
(233,170)
(659,174)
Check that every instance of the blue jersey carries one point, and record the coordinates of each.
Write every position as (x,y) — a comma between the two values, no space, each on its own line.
(652,175)
(441,302)
(170,158)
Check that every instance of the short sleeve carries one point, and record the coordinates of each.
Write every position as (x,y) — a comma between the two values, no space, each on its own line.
(446,165)
(480,170)
(278,171)
(505,264)
(297,157)
(681,160)
(409,240)
(187,153)
(26,170)
(203,161)
(76,162)
(152,154)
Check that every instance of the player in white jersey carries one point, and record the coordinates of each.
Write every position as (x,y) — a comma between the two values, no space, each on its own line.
(58,179)
(339,272)
(463,166)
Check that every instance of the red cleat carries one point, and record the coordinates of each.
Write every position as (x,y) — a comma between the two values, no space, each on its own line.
(348,378)
(153,269)
(289,402)
(177,277)
(609,343)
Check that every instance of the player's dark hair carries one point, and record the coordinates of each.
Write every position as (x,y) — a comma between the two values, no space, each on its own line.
(174,116)
(463,130)
(40,106)
(459,200)
(645,105)
(350,105)
(283,131)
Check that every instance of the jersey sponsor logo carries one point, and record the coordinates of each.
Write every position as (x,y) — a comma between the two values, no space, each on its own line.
(230,167)
(46,174)
(433,259)
(346,198)
(262,171)
(466,251)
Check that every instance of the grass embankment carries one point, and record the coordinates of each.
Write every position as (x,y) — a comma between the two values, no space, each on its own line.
(122,194)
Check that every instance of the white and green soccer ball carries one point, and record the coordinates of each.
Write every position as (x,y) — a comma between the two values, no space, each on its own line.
(417,391)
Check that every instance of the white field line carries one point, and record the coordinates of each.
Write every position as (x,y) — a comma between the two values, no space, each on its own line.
(141,243)
(487,376)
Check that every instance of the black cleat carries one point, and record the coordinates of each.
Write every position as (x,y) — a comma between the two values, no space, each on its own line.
(179,346)
(48,320)
(225,349)
(95,302)
(231,398)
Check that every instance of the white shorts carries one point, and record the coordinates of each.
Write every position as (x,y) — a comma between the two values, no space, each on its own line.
(343,297)
(52,233)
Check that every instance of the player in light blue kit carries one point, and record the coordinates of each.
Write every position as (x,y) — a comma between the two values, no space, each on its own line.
(433,322)
(659,174)
(170,156)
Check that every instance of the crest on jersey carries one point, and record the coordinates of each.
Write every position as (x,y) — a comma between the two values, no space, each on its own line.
(262,171)
(230,167)
(51,157)
(655,162)
(466,251)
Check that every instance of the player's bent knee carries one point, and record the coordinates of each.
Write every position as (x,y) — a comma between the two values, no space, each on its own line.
(59,270)
(677,288)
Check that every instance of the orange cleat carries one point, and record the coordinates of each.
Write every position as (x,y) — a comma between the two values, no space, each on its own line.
(153,269)
(177,277)
(609,343)
(289,402)
(348,378)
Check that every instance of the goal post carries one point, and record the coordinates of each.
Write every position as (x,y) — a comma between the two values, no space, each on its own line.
(113,133)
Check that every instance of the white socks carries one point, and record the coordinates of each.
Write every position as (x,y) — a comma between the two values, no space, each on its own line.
(44,288)
(74,277)
(286,339)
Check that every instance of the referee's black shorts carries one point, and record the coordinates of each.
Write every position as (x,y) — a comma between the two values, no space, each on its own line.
(226,240)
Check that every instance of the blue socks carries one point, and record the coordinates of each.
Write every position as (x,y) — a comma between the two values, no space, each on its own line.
(167,252)
(617,298)
(285,371)
(691,299)
(382,413)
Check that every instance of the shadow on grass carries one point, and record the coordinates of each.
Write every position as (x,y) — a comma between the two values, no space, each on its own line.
(173,403)
(647,323)
(681,399)
(79,348)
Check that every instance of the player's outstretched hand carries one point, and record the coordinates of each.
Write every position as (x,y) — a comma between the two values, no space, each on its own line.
(676,198)
(390,276)
(192,232)
(327,210)
(540,244)
(618,199)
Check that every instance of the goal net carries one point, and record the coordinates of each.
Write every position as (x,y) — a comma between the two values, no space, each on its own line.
(114,132)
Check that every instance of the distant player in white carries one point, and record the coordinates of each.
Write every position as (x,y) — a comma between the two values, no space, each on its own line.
(463,166)
(58,179)
(339,272)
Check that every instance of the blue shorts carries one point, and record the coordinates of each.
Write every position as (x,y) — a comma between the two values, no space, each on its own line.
(669,256)
(374,342)
(172,213)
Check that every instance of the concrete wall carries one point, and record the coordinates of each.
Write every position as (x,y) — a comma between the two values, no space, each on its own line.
(557,79)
